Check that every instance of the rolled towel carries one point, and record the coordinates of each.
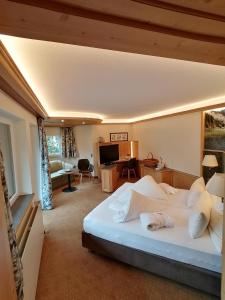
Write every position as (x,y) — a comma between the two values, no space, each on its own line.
(156,220)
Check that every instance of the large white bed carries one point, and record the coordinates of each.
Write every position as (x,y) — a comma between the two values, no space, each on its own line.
(174,244)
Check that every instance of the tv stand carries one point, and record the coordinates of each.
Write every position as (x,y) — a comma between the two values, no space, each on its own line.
(109,163)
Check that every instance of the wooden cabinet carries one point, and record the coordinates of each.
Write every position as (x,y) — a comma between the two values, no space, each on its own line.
(109,177)
(124,149)
(164,175)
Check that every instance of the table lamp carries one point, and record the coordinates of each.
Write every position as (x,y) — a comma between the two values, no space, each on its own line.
(210,161)
(216,185)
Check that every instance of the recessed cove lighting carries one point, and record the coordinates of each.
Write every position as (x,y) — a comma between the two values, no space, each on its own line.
(75,114)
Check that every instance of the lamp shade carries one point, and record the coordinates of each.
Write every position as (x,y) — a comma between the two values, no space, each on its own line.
(210,161)
(216,185)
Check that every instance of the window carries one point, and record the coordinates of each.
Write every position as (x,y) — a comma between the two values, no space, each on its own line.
(6,147)
(54,147)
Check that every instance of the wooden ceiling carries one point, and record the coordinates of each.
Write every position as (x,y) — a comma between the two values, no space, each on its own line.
(70,122)
(189,30)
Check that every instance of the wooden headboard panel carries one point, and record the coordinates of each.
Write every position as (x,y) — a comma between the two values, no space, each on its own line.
(183,180)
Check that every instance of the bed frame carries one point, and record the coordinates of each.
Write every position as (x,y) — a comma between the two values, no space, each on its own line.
(199,278)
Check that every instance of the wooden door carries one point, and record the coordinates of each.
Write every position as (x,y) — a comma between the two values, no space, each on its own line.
(7,283)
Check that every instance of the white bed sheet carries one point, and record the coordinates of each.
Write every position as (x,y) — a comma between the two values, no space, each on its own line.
(174,243)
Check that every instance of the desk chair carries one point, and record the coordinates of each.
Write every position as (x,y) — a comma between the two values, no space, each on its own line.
(85,168)
(130,168)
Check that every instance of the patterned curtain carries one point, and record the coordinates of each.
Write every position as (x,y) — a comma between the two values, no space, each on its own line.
(46,183)
(16,261)
(69,149)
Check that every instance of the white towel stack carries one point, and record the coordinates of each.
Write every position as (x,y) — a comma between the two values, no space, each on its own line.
(156,220)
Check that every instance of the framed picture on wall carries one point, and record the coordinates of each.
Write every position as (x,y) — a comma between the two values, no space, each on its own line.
(118,136)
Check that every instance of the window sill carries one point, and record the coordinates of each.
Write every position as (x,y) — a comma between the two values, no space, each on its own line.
(20,207)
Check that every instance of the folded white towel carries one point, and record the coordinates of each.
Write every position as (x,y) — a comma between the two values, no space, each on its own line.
(128,206)
(156,220)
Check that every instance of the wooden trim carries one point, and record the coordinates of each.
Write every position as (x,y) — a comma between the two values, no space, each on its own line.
(8,89)
(182,9)
(200,109)
(13,83)
(202,137)
(118,20)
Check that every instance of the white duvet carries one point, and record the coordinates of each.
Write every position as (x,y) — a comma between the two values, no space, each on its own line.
(174,243)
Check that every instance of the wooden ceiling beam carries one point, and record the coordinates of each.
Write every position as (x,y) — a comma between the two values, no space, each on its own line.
(182,9)
(118,20)
(70,122)
(42,24)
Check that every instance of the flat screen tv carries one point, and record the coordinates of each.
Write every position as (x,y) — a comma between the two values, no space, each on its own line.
(109,154)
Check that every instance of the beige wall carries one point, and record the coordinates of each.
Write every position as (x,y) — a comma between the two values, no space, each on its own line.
(177,139)
(105,130)
(87,137)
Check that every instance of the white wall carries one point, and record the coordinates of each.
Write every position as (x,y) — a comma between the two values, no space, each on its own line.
(26,176)
(177,139)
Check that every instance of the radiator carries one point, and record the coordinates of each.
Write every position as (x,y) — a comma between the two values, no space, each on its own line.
(30,247)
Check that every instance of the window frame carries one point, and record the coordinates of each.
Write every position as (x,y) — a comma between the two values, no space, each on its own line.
(58,155)
(5,121)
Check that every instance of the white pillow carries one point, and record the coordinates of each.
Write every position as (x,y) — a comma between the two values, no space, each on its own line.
(199,218)
(128,206)
(149,188)
(198,185)
(216,227)
(168,189)
(122,188)
(193,197)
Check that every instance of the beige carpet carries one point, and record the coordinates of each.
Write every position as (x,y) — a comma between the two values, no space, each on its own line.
(70,272)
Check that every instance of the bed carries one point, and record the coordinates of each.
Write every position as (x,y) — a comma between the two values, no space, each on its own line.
(170,252)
